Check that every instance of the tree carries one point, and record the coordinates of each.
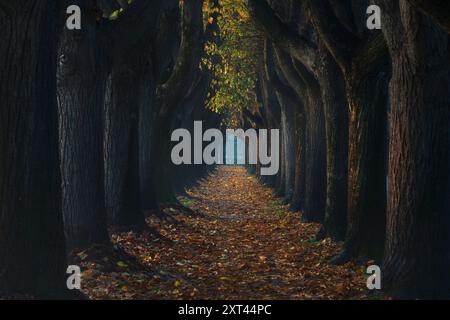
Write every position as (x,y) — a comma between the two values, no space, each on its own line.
(418,217)
(125,103)
(170,93)
(362,56)
(308,72)
(86,58)
(32,251)
(287,99)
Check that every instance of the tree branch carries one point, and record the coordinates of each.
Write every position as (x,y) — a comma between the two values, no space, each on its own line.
(341,42)
(439,10)
(288,69)
(273,77)
(171,93)
(283,35)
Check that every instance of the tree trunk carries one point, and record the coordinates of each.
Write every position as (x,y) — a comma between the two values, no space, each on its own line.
(32,251)
(284,62)
(362,57)
(367,99)
(288,142)
(298,198)
(336,121)
(131,214)
(418,220)
(82,75)
(315,166)
(280,183)
(160,165)
(147,90)
(117,129)
(126,96)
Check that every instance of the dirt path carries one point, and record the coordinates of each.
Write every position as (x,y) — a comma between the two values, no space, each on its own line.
(233,240)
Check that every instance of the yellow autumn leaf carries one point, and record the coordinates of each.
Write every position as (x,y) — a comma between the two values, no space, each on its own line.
(122,264)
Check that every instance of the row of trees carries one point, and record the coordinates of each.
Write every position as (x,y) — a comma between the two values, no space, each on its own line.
(365,128)
(85,119)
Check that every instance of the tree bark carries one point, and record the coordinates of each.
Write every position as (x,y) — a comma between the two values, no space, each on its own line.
(336,121)
(298,198)
(131,214)
(288,141)
(32,250)
(86,57)
(367,98)
(418,218)
(146,105)
(315,146)
(82,75)
(124,143)
(439,10)
(271,109)
(116,142)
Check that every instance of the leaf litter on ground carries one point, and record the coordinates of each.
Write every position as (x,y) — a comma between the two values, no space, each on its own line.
(237,242)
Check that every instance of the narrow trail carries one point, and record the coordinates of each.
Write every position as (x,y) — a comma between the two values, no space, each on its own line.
(230,239)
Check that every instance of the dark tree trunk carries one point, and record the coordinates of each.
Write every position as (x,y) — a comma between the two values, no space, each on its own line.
(304,85)
(191,109)
(288,71)
(131,214)
(146,100)
(298,198)
(117,128)
(271,109)
(315,150)
(82,74)
(288,147)
(336,120)
(162,190)
(367,98)
(280,184)
(315,168)
(417,258)
(170,94)
(362,58)
(32,251)
(126,98)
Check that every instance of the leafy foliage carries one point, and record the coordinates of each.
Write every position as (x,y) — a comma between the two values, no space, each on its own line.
(115,14)
(235,75)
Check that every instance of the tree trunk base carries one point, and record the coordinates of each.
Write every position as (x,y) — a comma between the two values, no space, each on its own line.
(321,234)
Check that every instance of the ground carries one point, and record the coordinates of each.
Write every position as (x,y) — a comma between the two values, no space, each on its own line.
(229,238)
